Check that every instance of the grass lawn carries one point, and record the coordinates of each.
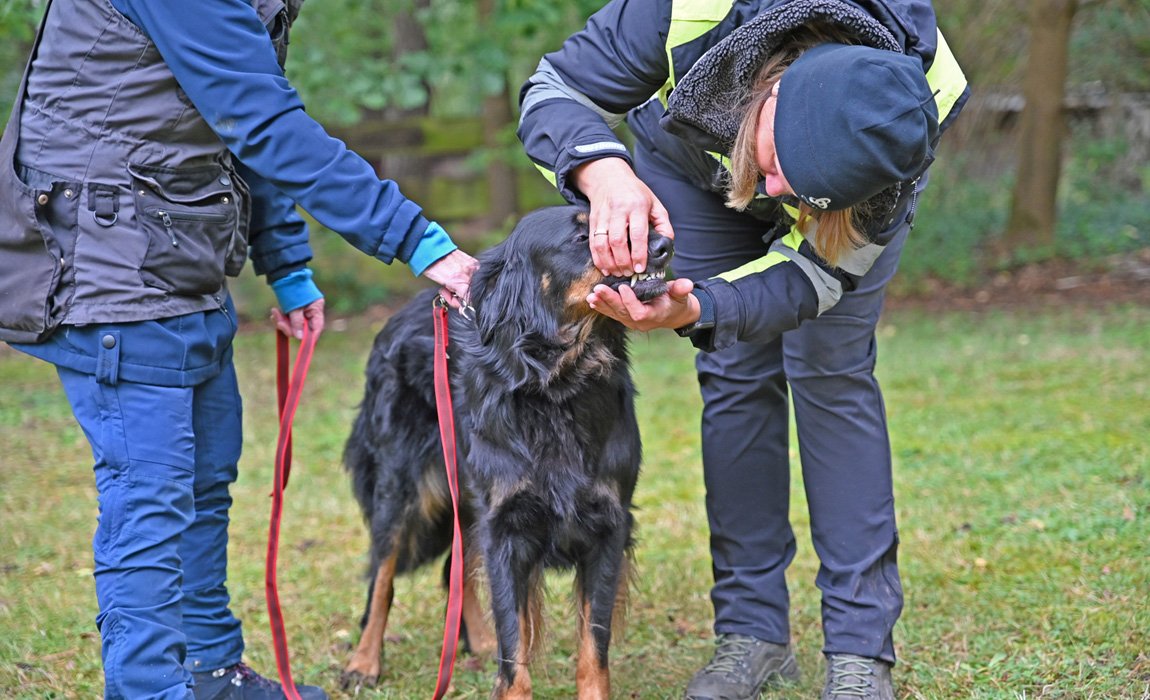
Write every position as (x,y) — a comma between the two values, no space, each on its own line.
(1022,477)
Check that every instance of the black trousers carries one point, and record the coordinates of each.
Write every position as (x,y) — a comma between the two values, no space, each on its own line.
(828,365)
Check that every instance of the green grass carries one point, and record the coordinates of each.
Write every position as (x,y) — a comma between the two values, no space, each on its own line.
(1022,476)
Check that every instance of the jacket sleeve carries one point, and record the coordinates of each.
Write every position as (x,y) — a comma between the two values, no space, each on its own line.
(579,93)
(792,283)
(223,58)
(278,235)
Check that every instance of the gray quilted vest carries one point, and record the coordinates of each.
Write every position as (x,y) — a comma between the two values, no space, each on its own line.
(118,203)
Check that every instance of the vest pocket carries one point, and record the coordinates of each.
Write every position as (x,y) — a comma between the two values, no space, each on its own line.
(190,216)
(31,261)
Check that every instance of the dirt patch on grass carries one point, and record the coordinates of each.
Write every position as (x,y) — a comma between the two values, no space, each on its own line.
(1052,284)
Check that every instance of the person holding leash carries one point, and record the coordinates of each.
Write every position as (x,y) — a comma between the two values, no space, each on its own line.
(787,143)
(151,143)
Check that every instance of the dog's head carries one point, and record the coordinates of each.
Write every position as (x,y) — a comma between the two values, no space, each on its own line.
(530,292)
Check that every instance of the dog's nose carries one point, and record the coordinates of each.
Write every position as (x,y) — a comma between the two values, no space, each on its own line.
(659,251)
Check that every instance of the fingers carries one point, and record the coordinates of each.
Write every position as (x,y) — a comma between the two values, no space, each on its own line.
(451,297)
(297,321)
(622,305)
(281,322)
(679,288)
(314,316)
(292,324)
(620,228)
(638,245)
(671,310)
(453,273)
(660,218)
(619,246)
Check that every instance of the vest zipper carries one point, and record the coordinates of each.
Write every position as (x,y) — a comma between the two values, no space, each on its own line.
(166,217)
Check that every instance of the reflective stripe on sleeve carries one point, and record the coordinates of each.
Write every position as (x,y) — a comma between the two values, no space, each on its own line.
(550,175)
(828,289)
(546,84)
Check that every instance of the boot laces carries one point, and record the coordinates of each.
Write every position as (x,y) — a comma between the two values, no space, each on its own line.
(730,654)
(245,675)
(858,684)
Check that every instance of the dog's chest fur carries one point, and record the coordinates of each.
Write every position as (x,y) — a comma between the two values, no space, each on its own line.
(559,453)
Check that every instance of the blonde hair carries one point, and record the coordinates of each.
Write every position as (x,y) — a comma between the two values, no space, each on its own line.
(838,231)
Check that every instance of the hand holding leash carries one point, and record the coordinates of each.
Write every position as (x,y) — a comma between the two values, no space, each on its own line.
(453,272)
(293,323)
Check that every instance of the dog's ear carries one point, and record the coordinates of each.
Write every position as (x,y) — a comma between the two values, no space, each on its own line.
(517,330)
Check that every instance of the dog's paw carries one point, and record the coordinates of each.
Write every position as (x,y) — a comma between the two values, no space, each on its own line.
(353,681)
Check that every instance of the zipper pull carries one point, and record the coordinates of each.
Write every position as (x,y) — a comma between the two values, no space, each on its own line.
(168,225)
(913,203)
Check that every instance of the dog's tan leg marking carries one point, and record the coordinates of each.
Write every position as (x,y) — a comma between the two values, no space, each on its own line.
(592,677)
(365,666)
(520,689)
(480,636)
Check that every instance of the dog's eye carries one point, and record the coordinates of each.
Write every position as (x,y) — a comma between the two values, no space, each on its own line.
(582,238)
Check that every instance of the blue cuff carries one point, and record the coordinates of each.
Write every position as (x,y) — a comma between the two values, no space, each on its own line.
(296,290)
(434,245)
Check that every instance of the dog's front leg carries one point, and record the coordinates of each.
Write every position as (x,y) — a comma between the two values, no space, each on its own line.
(601,578)
(514,604)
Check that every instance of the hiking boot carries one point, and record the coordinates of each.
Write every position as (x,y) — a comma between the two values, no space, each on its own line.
(239,682)
(850,677)
(741,667)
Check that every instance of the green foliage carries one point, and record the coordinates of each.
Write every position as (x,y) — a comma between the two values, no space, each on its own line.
(957,214)
(1111,45)
(342,58)
(18,22)
(964,209)
(1022,484)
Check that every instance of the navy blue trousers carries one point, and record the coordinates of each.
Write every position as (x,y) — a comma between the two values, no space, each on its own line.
(164,460)
(828,365)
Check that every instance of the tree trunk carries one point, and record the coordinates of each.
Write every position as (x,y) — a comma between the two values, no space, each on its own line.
(405,165)
(1042,126)
(502,192)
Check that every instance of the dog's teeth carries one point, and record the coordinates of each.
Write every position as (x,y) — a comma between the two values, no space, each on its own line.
(634,279)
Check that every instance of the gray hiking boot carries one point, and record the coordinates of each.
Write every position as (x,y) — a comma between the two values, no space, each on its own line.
(741,667)
(850,677)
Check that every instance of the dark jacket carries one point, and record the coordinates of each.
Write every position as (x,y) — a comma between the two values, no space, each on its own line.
(627,63)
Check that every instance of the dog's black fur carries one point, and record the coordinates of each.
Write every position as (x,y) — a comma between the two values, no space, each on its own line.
(547,440)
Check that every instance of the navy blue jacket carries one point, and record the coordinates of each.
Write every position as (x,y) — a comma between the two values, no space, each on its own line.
(623,64)
(224,60)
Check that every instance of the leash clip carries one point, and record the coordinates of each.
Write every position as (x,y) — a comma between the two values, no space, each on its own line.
(466,310)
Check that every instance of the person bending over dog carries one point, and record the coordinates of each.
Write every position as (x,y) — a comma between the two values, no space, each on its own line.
(548,449)
(787,143)
(151,141)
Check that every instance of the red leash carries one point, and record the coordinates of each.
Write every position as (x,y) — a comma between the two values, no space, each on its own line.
(288,390)
(447,436)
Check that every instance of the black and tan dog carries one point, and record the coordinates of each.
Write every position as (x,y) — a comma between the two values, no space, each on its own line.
(548,445)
